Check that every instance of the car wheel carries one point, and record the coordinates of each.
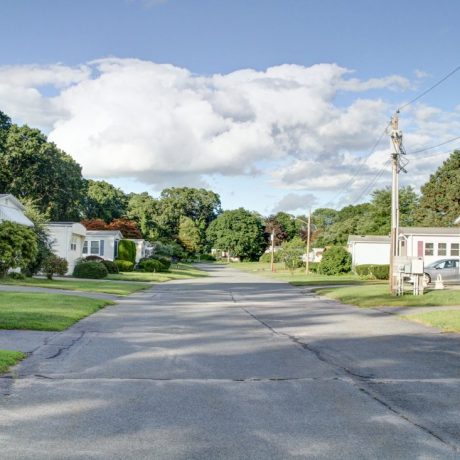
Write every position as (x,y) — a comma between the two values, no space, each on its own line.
(426,279)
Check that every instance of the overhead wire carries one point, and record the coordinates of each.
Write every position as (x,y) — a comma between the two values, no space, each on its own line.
(434,146)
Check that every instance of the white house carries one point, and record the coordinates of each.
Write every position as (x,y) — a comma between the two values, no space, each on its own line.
(431,243)
(102,243)
(67,240)
(369,249)
(12,210)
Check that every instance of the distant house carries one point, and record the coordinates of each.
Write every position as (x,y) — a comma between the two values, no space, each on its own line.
(369,249)
(12,210)
(430,243)
(67,240)
(102,243)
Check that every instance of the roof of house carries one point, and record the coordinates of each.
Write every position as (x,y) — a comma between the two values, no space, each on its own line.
(77,228)
(115,233)
(11,214)
(13,199)
(430,231)
(368,239)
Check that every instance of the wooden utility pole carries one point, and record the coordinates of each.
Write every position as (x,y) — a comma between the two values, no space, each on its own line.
(272,258)
(396,151)
(307,263)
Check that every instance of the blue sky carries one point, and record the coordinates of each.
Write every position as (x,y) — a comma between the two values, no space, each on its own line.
(257,163)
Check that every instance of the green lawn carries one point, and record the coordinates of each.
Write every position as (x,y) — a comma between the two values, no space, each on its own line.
(102,286)
(298,277)
(44,312)
(183,272)
(375,295)
(9,358)
(448,321)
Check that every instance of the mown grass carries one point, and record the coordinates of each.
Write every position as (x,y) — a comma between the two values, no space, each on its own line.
(9,358)
(44,312)
(101,286)
(379,295)
(182,271)
(447,320)
(298,277)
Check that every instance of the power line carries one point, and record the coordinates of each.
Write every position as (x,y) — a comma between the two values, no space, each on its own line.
(364,190)
(430,88)
(434,146)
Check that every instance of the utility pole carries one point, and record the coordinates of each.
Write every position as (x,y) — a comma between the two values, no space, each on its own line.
(396,166)
(307,263)
(272,258)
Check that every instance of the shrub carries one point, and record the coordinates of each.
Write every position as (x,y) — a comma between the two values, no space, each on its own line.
(379,272)
(266,257)
(291,253)
(124,265)
(54,265)
(91,270)
(313,267)
(127,251)
(336,260)
(93,259)
(152,265)
(110,266)
(16,276)
(207,257)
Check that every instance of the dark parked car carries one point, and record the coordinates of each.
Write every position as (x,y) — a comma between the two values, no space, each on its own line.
(447,268)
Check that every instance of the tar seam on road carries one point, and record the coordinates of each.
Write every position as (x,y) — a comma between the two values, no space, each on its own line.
(361,382)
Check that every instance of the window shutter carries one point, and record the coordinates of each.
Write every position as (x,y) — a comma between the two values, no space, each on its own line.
(102,248)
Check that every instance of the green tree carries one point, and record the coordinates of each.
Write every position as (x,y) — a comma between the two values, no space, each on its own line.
(189,235)
(291,253)
(104,201)
(378,217)
(335,261)
(18,246)
(240,232)
(440,200)
(144,209)
(5,125)
(31,167)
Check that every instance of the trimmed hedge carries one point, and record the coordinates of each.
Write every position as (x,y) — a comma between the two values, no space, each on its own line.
(207,257)
(90,270)
(336,260)
(152,265)
(127,251)
(93,259)
(124,265)
(111,267)
(379,272)
(266,257)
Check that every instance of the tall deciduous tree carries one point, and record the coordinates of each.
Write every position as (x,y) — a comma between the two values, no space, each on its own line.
(31,167)
(144,209)
(440,200)
(189,235)
(5,125)
(104,201)
(240,232)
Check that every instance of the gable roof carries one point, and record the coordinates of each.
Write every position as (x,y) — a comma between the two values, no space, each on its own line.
(368,239)
(430,231)
(8,213)
(8,197)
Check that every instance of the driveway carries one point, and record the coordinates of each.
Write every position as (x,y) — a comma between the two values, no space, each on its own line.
(239,367)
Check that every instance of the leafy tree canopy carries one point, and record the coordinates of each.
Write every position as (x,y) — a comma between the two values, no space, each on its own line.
(440,200)
(31,167)
(189,235)
(144,209)
(240,232)
(104,201)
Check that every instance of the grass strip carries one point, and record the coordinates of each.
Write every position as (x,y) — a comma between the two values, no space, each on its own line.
(9,358)
(43,311)
(182,272)
(378,295)
(447,320)
(101,286)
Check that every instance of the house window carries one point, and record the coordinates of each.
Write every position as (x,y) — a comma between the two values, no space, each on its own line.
(85,247)
(442,249)
(429,249)
(95,247)
(102,247)
(73,246)
(454,249)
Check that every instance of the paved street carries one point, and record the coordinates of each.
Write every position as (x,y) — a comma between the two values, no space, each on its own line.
(235,366)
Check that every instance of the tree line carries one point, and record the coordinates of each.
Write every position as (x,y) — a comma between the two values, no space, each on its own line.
(49,182)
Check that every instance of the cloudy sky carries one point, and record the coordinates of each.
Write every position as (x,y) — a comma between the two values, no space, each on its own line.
(274,104)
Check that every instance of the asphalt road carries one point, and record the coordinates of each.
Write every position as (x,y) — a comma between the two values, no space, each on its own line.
(235,367)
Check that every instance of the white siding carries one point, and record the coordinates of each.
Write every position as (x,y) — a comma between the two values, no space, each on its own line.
(364,252)
(413,242)
(61,238)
